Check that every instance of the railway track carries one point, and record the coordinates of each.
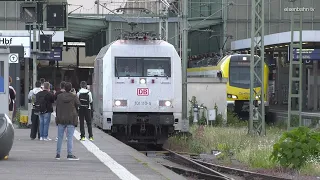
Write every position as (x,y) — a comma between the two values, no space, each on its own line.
(192,167)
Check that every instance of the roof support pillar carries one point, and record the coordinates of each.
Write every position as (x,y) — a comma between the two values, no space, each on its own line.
(257,114)
(295,73)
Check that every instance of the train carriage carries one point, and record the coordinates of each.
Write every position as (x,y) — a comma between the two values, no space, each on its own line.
(137,90)
(236,69)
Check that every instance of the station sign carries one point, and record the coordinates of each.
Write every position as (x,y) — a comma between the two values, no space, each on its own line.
(307,54)
(54,55)
(17,41)
(22,38)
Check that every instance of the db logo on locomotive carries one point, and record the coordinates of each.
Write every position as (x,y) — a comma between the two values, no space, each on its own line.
(143,92)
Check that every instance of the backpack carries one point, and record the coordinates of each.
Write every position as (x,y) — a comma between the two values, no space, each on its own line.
(40,105)
(84,99)
(11,100)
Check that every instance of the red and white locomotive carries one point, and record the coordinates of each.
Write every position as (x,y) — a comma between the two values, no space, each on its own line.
(137,90)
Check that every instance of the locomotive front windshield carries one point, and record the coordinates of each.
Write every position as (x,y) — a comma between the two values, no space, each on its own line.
(239,72)
(142,67)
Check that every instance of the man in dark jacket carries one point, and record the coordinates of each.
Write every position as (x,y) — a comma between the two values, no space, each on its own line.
(45,98)
(67,118)
(62,86)
(62,89)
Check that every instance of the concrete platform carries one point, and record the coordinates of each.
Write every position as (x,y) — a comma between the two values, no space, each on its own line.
(105,158)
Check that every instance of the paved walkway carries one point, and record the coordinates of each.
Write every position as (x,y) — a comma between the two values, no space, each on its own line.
(105,158)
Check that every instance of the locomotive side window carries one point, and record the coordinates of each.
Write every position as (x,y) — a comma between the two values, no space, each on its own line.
(142,67)
(160,67)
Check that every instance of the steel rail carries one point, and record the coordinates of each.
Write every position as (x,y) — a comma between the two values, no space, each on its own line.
(205,170)
(194,174)
(239,172)
(195,165)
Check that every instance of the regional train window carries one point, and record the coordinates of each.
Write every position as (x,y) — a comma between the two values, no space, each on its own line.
(1,77)
(160,67)
(128,67)
(239,75)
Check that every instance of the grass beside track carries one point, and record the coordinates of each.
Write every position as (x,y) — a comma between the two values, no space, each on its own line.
(239,149)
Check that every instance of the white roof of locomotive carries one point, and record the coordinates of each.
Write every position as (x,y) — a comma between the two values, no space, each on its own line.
(118,43)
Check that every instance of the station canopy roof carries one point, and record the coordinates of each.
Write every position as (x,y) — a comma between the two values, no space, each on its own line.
(82,27)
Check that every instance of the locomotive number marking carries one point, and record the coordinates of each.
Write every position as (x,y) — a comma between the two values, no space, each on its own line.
(143,92)
(142,103)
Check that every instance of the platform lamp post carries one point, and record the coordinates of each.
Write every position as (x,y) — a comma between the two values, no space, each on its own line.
(295,77)
(257,115)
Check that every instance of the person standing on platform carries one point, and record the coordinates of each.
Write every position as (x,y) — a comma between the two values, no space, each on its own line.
(43,106)
(42,81)
(34,116)
(12,98)
(62,89)
(85,98)
(66,118)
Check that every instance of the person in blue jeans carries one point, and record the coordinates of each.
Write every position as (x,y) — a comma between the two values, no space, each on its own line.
(66,118)
(44,101)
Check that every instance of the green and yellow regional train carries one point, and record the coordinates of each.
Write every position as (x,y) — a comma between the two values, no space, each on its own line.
(236,69)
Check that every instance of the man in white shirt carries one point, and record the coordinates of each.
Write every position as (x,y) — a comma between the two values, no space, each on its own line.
(85,98)
(34,117)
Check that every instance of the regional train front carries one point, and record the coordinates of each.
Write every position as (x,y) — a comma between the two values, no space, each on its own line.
(142,90)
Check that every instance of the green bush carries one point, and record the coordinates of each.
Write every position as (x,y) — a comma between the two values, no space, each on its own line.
(296,147)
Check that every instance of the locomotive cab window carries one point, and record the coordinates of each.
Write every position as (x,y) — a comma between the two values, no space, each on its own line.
(128,67)
(142,67)
(157,67)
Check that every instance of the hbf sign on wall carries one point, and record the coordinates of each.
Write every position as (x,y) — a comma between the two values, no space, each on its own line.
(17,41)
(22,38)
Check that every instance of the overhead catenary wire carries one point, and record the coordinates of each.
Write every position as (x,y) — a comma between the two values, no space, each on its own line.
(116,14)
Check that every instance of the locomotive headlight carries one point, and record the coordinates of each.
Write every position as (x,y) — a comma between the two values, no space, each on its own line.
(122,103)
(142,81)
(117,103)
(258,97)
(167,103)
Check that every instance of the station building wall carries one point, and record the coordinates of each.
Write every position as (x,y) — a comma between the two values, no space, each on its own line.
(10,16)
(276,18)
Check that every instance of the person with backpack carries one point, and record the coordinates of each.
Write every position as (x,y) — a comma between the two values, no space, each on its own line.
(67,118)
(12,98)
(43,106)
(34,116)
(85,98)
